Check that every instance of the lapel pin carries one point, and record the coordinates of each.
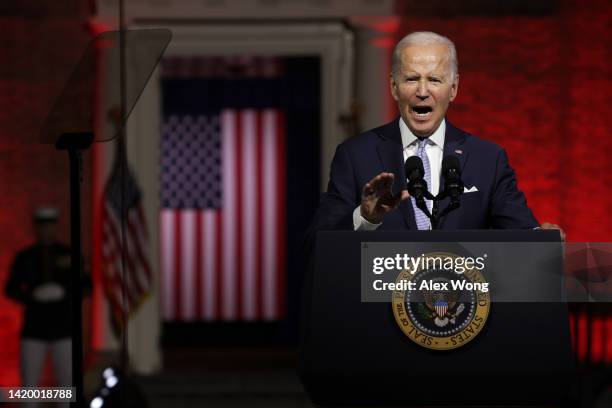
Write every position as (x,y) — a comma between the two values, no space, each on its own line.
(458,151)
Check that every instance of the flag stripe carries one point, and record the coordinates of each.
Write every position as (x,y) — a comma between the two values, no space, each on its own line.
(238,250)
(219,271)
(259,222)
(167,266)
(188,220)
(199,268)
(281,235)
(112,281)
(178,311)
(209,263)
(248,183)
(270,211)
(230,215)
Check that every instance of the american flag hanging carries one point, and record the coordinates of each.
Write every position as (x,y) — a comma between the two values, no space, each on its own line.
(223,218)
(137,278)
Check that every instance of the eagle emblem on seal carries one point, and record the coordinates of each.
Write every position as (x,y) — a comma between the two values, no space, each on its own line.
(440,319)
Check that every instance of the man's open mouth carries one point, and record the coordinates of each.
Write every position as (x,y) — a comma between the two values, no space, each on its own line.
(422,111)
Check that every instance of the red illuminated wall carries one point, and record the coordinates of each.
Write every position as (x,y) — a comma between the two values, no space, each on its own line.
(541,87)
(37,48)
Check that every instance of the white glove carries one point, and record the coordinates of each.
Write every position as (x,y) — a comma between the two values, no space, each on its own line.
(49,292)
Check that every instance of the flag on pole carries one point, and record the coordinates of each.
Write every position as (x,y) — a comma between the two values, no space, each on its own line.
(137,277)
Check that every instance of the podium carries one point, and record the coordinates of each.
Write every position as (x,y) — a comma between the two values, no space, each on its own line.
(354,353)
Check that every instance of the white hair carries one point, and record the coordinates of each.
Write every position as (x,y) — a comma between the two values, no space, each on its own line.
(423,38)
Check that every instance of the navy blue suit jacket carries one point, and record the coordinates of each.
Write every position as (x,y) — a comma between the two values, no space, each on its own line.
(498,203)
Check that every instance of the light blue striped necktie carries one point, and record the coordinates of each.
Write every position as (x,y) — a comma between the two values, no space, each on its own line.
(422,221)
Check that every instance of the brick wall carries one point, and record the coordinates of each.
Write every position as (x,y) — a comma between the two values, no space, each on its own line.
(540,85)
(41,41)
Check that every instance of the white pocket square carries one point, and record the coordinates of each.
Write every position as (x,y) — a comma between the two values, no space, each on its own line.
(472,189)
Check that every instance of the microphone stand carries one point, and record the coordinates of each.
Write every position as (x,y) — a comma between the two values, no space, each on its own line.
(417,188)
(421,205)
(436,216)
(420,193)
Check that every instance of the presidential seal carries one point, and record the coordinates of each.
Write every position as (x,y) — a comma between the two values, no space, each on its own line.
(443,310)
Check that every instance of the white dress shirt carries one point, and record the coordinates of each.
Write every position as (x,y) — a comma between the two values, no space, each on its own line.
(434,150)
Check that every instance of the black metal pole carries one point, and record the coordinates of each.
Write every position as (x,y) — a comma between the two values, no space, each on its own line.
(77,288)
(122,160)
(75,143)
(435,217)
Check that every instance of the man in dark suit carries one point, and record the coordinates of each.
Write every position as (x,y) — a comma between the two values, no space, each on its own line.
(368,189)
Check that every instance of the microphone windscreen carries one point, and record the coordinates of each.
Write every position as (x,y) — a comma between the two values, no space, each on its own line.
(414,168)
(450,163)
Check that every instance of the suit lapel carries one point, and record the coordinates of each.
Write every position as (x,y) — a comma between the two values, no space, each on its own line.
(453,145)
(392,158)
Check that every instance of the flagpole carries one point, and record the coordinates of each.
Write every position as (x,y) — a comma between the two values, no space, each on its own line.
(122,160)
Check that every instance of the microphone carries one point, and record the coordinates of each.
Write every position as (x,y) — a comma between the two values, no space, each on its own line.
(417,186)
(453,185)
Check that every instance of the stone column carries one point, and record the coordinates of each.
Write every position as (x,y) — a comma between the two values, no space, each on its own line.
(375,39)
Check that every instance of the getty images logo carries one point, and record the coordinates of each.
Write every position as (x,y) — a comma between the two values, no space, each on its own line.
(402,262)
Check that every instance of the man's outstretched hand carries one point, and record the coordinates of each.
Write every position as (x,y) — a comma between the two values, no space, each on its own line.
(377,200)
(548,225)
